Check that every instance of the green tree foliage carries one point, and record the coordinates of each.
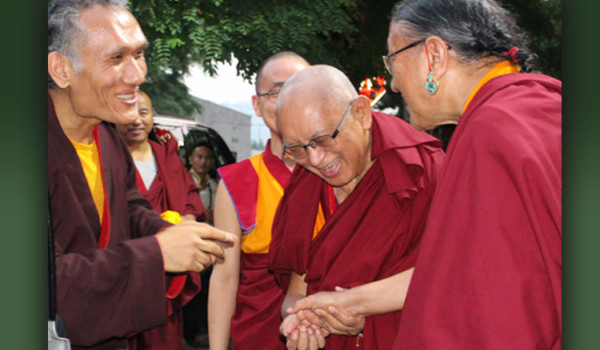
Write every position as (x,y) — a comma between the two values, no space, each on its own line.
(183,32)
(348,34)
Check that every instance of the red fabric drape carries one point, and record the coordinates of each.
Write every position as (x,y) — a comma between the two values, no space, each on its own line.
(372,235)
(489,270)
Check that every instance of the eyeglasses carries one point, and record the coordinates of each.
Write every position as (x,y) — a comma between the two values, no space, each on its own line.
(386,58)
(271,95)
(300,152)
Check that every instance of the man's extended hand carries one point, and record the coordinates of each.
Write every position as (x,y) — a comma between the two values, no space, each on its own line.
(192,246)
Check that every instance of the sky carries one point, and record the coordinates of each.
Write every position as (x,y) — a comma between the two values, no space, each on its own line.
(229,90)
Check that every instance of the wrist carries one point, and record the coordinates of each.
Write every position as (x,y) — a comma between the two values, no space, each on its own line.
(288,301)
(354,301)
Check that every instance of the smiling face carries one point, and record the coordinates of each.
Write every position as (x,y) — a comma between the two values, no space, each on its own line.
(113,66)
(344,163)
(304,116)
(274,74)
(137,132)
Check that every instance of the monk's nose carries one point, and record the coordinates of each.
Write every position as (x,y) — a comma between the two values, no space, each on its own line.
(315,155)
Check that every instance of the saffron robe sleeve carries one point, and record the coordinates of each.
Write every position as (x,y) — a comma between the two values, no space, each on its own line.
(372,235)
(103,294)
(488,275)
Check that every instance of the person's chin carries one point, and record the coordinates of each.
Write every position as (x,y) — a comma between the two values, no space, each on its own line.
(124,117)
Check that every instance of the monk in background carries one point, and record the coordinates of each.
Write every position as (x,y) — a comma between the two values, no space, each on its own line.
(372,175)
(162,178)
(244,299)
(201,162)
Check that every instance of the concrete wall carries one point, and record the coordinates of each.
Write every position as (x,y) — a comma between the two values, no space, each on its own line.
(233,126)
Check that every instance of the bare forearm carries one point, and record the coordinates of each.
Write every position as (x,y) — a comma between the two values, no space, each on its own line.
(221,307)
(379,297)
(296,291)
(224,279)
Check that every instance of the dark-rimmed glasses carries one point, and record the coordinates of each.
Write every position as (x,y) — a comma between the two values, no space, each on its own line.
(300,152)
(386,58)
(271,95)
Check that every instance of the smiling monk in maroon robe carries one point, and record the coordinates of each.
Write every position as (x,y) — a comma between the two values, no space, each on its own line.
(164,181)
(372,175)
(112,250)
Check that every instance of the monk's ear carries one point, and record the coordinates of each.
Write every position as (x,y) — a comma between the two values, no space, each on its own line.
(59,69)
(362,109)
(438,49)
(256,106)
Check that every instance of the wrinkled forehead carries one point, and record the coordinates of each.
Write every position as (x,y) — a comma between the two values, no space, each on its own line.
(112,23)
(305,118)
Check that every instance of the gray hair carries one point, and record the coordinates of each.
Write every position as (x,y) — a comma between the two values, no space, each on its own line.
(474,29)
(65,29)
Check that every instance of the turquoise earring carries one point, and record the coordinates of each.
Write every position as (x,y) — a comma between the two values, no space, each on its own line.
(431,84)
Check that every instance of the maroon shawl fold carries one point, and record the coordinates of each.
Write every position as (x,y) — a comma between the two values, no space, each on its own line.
(128,274)
(489,270)
(373,234)
(241,181)
(172,189)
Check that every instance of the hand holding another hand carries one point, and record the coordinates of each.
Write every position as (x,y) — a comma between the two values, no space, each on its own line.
(334,311)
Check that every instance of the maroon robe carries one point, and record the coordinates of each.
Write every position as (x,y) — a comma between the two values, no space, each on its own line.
(372,235)
(172,189)
(103,294)
(255,323)
(489,270)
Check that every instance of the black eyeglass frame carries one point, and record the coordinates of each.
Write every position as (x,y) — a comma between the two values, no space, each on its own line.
(386,58)
(270,95)
(312,143)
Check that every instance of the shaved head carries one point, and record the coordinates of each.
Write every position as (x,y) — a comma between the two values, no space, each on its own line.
(320,103)
(322,85)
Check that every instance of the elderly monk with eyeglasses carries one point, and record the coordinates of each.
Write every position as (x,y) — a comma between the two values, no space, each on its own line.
(372,175)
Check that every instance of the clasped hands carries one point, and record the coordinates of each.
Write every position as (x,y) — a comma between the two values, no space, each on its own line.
(311,319)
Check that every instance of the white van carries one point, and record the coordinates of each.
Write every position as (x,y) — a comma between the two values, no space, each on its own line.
(188,133)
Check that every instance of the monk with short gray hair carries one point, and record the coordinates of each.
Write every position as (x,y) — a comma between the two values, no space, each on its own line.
(372,176)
